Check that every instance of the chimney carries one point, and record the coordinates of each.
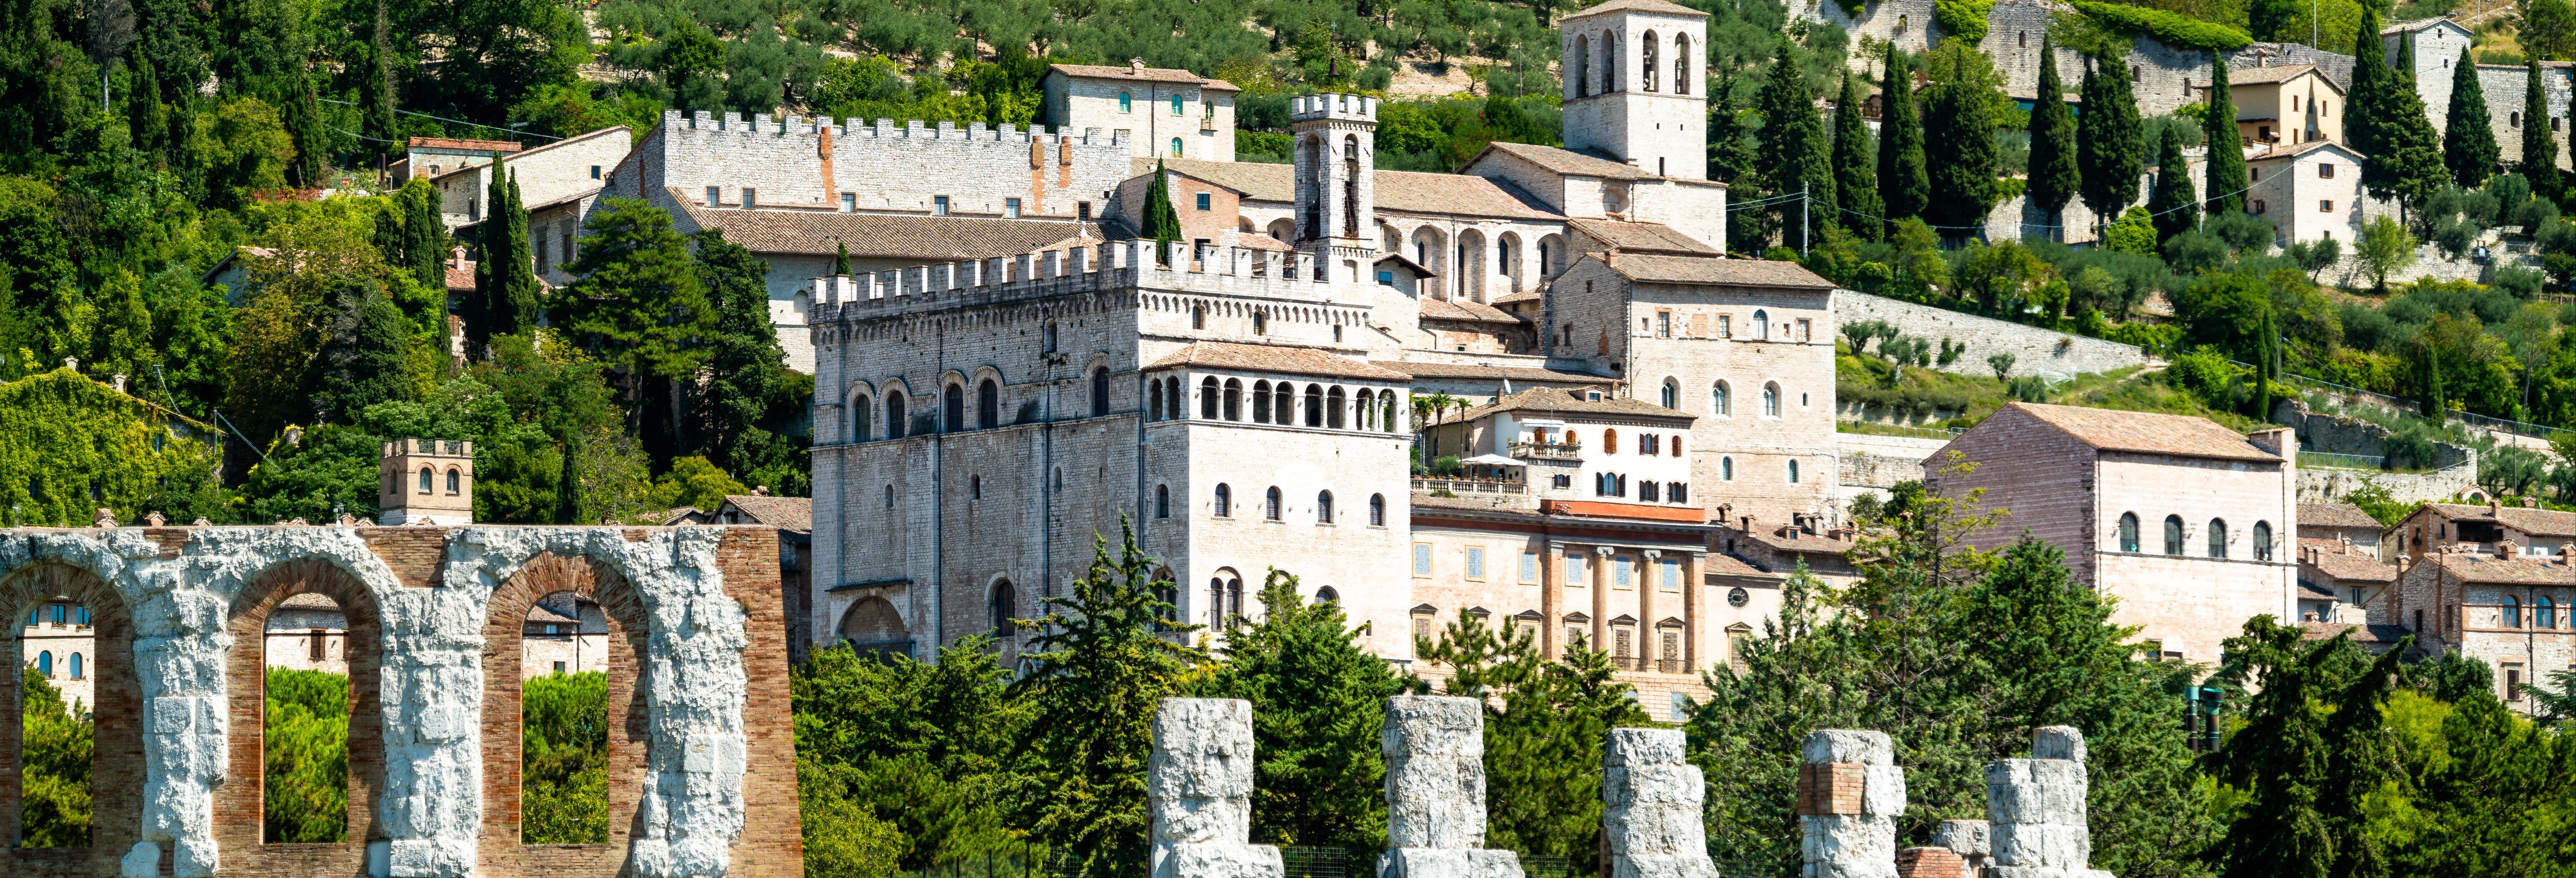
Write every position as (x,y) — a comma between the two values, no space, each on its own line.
(1135,66)
(2567,554)
(2505,548)
(2403,562)
(2495,507)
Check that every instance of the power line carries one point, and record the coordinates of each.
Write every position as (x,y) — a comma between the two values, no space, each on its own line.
(445,119)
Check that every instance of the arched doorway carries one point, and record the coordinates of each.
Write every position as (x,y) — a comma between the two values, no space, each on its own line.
(93,653)
(303,833)
(873,626)
(560,639)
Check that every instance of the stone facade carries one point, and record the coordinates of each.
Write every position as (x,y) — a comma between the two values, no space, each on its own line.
(425,481)
(1632,89)
(2036,351)
(2497,604)
(1650,807)
(2035,809)
(59,643)
(1198,792)
(1146,107)
(565,169)
(1850,792)
(1435,792)
(705,787)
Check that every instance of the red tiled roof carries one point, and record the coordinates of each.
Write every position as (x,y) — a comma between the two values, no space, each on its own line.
(2112,430)
(1142,74)
(2344,515)
(1276,358)
(1716,271)
(1659,7)
(2345,566)
(461,143)
(1447,309)
(1642,237)
(2481,567)
(783,513)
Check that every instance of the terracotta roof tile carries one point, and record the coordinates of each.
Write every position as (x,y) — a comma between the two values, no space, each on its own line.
(1781,538)
(2344,515)
(1561,400)
(1446,309)
(927,238)
(2343,566)
(461,143)
(1400,191)
(784,513)
(1640,237)
(2537,522)
(1496,373)
(1720,564)
(2484,568)
(1661,7)
(1276,358)
(308,601)
(1566,161)
(2365,635)
(2267,75)
(1148,74)
(2181,435)
(1717,271)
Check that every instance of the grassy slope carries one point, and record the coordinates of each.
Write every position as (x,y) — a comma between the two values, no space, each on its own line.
(1976,396)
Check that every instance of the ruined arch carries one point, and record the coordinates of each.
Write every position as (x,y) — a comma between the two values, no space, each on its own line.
(115,808)
(245,685)
(498,847)
(873,625)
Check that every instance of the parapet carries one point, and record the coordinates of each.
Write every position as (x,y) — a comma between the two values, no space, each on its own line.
(798,126)
(1047,272)
(1333,107)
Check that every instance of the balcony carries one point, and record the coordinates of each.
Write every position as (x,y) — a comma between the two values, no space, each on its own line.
(1468,486)
(1547,451)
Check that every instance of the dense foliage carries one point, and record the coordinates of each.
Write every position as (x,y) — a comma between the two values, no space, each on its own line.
(2173,28)
(305,740)
(56,743)
(563,759)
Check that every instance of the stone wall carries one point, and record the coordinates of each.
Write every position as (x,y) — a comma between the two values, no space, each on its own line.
(708,790)
(1850,792)
(2036,351)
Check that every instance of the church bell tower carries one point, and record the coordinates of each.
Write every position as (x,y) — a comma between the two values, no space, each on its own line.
(1336,136)
(1636,85)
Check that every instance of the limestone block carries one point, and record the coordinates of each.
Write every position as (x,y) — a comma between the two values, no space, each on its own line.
(1651,806)
(1861,846)
(1216,861)
(1435,772)
(1843,745)
(141,861)
(1663,866)
(2042,844)
(1200,820)
(1644,747)
(2057,742)
(2036,872)
(1405,862)
(1202,749)
(1971,838)
(1663,785)
(1883,790)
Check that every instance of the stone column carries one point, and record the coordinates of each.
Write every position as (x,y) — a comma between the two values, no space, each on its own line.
(2035,808)
(1849,793)
(1650,812)
(1435,792)
(1198,789)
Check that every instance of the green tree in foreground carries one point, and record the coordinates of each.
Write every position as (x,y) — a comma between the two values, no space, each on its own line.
(747,400)
(1164,222)
(563,759)
(306,743)
(1959,127)
(2539,144)
(2223,190)
(505,279)
(1318,702)
(640,308)
(910,764)
(55,751)
(2170,202)
(1795,159)
(2468,150)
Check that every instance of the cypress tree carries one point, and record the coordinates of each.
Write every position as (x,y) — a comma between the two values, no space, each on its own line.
(2224,189)
(520,293)
(392,243)
(2539,146)
(2053,174)
(568,482)
(841,260)
(376,93)
(304,123)
(2361,119)
(426,252)
(1794,151)
(1164,222)
(2171,202)
(2468,150)
(505,281)
(2434,406)
(1855,186)
(146,117)
(1959,127)
(2110,143)
(1903,183)
(1730,152)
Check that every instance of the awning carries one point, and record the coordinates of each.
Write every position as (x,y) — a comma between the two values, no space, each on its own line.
(1491,460)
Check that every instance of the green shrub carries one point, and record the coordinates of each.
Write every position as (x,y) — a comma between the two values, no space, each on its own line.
(306,743)
(1963,19)
(563,774)
(55,774)
(2172,28)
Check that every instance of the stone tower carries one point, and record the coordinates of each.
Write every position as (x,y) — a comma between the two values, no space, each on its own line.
(1336,169)
(1636,85)
(426,481)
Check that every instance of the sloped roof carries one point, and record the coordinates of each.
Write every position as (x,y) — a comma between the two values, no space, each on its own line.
(461,143)
(1715,270)
(2276,152)
(1147,74)
(927,238)
(1497,373)
(784,513)
(2518,570)
(1564,401)
(1721,564)
(1565,161)
(308,601)
(1399,191)
(2268,75)
(1477,312)
(1642,237)
(1661,7)
(2341,566)
(1276,358)
(2362,634)
(2537,522)
(2336,515)
(2110,430)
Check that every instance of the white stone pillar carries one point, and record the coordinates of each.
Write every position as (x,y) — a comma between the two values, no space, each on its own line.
(1198,790)
(1849,793)
(1435,792)
(2035,808)
(1650,811)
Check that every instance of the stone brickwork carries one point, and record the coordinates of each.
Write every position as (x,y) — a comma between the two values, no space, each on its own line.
(2036,351)
(887,167)
(1650,813)
(556,171)
(1435,792)
(702,761)
(1643,102)
(1850,791)
(2506,88)
(2035,809)
(1198,791)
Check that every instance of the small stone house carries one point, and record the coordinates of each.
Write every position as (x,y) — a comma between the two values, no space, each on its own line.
(2338,580)
(2491,602)
(2340,523)
(2284,106)
(2437,527)
(1160,112)
(2310,192)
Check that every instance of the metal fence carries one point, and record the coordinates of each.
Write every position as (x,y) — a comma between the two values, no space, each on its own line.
(2408,406)
(1024,861)
(1298,861)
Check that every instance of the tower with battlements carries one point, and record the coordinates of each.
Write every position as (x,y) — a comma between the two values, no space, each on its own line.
(1336,136)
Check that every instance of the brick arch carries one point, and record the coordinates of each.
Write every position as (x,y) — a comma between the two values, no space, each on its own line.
(116,805)
(499,850)
(240,816)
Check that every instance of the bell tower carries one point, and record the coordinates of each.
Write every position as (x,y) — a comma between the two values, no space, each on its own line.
(1636,85)
(1336,142)
(426,481)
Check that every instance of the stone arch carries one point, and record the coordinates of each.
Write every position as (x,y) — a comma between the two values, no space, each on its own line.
(245,685)
(1431,249)
(875,625)
(1468,280)
(1551,256)
(117,707)
(1511,256)
(498,848)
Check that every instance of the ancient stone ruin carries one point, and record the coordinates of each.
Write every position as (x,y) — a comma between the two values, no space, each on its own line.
(1198,790)
(1435,792)
(1650,813)
(702,777)
(1850,790)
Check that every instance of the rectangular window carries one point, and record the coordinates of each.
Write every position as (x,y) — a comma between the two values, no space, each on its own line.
(559,668)
(314,651)
(2325,170)
(1671,579)
(1386,278)
(1621,576)
(1476,562)
(715,196)
(2325,206)
(1421,559)
(849,202)
(1806,329)
(750,197)
(1663,324)
(1010,208)
(1681,707)
(1725,326)
(1205,201)
(939,206)
(570,231)
(594,172)
(1529,567)
(542,250)
(1574,570)
(1083,211)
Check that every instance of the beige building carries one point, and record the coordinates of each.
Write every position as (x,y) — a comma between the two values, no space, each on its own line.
(434,156)
(2439,527)
(566,634)
(2187,523)
(1159,112)
(2287,105)
(57,643)
(2494,602)
(425,481)
(2310,192)
(2338,580)
(307,632)
(575,166)
(2340,522)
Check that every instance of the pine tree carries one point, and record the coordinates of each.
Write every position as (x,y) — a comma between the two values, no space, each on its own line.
(2468,150)
(2539,145)
(362,357)
(1163,221)
(2110,142)
(1796,160)
(2405,153)
(2171,203)
(639,307)
(1855,183)
(2224,186)
(1904,184)
(505,280)
(2054,178)
(841,259)
(746,399)
(1959,126)
(1318,703)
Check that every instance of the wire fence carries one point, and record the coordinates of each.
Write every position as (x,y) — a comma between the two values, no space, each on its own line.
(2408,406)
(1868,428)
(2331,460)
(1024,861)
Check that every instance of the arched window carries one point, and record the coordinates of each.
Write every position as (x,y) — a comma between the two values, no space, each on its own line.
(1762,325)
(1172,397)
(454,480)
(1283,402)
(1000,607)
(1270,504)
(1198,316)
(1050,337)
(1580,72)
(1672,394)
(1261,402)
(897,419)
(1327,595)
(1720,399)
(1176,147)
(2512,613)
(1154,400)
(2262,541)
(1233,399)
(75,665)
(1333,414)
(988,405)
(955,399)
(2543,610)
(1260,323)
(45,664)
(1386,419)
(425,476)
(1646,72)
(1162,501)
(1681,64)
(2217,538)
(2173,535)
(1100,392)
(2128,531)
(860,417)
(1771,400)
(1649,491)
(889,496)
(1351,186)
(1314,405)
(1323,507)
(1377,510)
(1364,410)
(1208,396)
(1178,109)
(1126,102)
(1676,450)
(1609,441)
(1726,469)
(1793,472)
(1224,501)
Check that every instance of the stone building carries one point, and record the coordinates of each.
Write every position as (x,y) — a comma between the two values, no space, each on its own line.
(1630,83)
(2187,523)
(566,633)
(433,156)
(307,632)
(2491,601)
(2440,527)
(59,644)
(2285,105)
(2338,581)
(2310,192)
(573,167)
(1159,112)
(2340,523)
